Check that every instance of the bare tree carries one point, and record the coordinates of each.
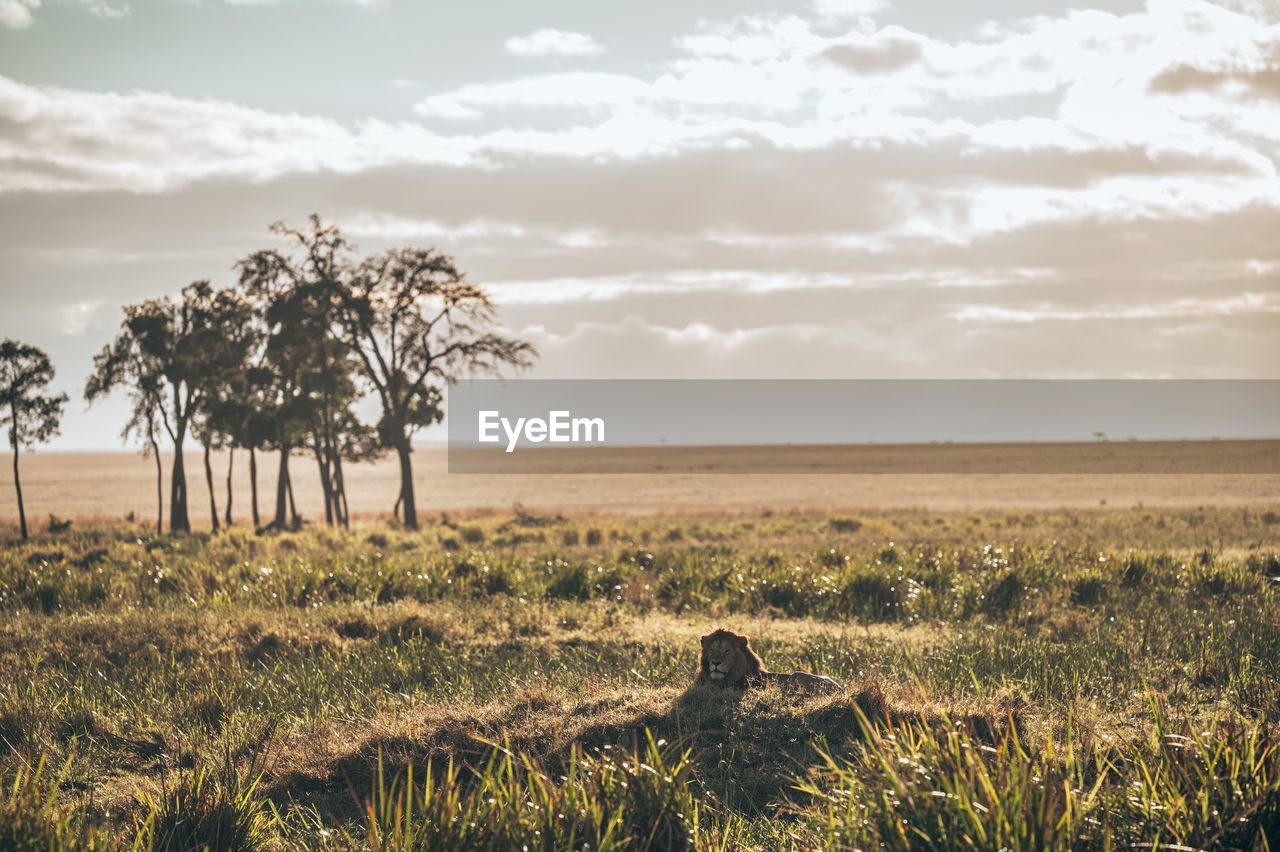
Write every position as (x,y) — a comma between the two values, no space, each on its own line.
(31,417)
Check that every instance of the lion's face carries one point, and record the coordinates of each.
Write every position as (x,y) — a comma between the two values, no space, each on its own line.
(727,659)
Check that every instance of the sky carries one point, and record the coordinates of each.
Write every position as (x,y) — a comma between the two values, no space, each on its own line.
(808,189)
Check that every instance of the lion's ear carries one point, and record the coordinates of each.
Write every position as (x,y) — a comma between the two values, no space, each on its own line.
(744,642)
(706,640)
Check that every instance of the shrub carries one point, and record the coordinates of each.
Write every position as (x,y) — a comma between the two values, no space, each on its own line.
(1088,590)
(1004,594)
(870,597)
(570,582)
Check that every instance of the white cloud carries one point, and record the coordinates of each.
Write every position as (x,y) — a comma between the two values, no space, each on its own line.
(77,316)
(846,12)
(103,9)
(571,89)
(1243,304)
(62,139)
(550,42)
(16,14)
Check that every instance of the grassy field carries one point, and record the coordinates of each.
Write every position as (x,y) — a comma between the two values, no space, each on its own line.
(1056,679)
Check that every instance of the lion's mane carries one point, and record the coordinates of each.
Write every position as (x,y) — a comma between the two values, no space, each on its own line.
(744,662)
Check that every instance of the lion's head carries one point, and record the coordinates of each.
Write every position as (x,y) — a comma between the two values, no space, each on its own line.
(727,660)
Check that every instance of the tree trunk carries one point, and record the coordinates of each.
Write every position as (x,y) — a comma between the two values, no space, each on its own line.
(326,486)
(208,480)
(325,454)
(155,451)
(282,489)
(17,483)
(253,486)
(231,457)
(178,519)
(403,449)
(340,494)
(294,520)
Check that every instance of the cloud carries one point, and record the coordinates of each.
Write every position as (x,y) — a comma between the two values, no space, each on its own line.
(780,195)
(567,90)
(16,14)
(550,42)
(77,316)
(881,54)
(67,140)
(1258,82)
(858,12)
(1246,303)
(103,9)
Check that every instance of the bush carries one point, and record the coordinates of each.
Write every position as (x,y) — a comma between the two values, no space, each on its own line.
(1004,594)
(1089,590)
(870,597)
(570,582)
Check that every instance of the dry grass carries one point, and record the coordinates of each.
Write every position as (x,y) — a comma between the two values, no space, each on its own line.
(113,485)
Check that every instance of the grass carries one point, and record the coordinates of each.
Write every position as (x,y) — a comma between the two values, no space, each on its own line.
(1055,680)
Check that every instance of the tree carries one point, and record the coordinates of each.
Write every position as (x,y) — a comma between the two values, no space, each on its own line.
(311,366)
(146,413)
(227,337)
(173,347)
(235,417)
(416,325)
(31,417)
(336,435)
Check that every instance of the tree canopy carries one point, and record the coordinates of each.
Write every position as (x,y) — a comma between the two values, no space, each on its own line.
(32,417)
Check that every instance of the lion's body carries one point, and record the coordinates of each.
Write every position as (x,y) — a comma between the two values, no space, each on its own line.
(728,660)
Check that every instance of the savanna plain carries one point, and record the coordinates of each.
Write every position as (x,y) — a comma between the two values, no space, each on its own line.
(1034,678)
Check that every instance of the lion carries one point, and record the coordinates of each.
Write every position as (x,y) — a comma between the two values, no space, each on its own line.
(728,660)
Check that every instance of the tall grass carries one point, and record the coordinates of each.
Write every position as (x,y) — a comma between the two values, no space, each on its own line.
(911,786)
(33,817)
(609,801)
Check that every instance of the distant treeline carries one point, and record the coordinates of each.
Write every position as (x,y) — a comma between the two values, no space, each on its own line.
(278,362)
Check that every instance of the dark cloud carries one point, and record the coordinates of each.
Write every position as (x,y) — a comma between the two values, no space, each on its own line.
(1258,82)
(880,57)
(1174,248)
